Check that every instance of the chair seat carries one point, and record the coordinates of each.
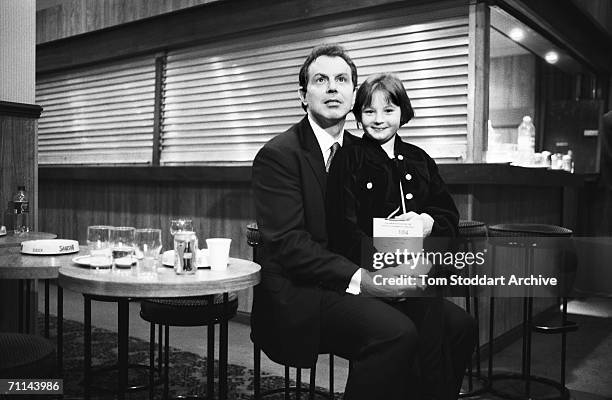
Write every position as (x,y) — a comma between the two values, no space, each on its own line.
(529,230)
(188,311)
(26,356)
(469,229)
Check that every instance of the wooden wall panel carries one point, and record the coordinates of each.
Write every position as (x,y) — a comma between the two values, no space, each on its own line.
(73,17)
(504,204)
(18,166)
(18,162)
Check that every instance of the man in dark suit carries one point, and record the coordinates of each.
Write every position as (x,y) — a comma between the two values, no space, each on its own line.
(307,301)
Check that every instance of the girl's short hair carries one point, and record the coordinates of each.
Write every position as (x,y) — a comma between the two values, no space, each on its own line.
(394,90)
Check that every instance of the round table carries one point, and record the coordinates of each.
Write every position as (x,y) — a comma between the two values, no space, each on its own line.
(28,268)
(12,240)
(128,284)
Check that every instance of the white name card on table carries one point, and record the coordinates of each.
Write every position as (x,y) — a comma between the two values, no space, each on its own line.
(390,235)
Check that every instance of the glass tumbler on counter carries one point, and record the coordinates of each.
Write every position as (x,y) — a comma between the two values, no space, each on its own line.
(98,241)
(148,245)
(122,246)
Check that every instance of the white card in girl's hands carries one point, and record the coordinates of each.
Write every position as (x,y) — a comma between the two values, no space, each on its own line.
(383,227)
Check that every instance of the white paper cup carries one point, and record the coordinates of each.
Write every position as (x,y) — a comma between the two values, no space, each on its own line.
(218,253)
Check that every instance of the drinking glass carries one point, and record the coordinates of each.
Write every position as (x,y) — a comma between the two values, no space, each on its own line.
(98,241)
(180,225)
(148,244)
(122,245)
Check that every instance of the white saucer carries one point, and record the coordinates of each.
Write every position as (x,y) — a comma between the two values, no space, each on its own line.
(84,260)
(81,260)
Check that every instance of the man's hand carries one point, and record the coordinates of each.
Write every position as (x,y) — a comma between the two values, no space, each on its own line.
(397,281)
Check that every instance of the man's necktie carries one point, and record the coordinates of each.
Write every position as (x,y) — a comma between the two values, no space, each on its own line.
(332,153)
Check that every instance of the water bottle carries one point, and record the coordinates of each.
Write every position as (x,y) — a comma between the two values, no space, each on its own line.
(526,136)
(20,210)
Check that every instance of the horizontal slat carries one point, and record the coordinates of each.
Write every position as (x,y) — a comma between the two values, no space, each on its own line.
(96,157)
(125,124)
(103,145)
(272,111)
(91,120)
(287,121)
(100,110)
(91,133)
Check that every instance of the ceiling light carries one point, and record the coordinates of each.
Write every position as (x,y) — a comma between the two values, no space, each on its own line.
(551,57)
(517,34)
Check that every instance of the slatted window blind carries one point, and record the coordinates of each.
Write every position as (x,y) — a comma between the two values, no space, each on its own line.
(99,115)
(222,103)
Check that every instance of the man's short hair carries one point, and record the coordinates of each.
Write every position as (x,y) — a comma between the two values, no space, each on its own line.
(392,88)
(329,50)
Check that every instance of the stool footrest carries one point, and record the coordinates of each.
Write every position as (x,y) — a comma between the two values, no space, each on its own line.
(97,370)
(292,389)
(563,392)
(569,326)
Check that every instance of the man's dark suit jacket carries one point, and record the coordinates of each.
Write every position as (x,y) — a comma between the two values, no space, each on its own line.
(289,183)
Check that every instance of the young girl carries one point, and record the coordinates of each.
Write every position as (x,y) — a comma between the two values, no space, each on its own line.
(364,183)
(364,179)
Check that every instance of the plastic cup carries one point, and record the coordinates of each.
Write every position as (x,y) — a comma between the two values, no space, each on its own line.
(218,253)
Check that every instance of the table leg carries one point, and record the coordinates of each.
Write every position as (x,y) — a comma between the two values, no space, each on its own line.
(47,308)
(87,345)
(223,349)
(122,339)
(210,360)
(166,361)
(20,305)
(60,329)
(151,360)
(28,316)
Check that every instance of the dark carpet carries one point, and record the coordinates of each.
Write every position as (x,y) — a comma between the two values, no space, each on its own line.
(187,370)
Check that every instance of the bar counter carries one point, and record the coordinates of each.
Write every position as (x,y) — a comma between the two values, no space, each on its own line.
(458,173)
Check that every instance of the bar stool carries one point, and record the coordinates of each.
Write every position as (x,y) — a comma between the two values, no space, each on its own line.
(26,356)
(527,238)
(473,235)
(190,311)
(254,239)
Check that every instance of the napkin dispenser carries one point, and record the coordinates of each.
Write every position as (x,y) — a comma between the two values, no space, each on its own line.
(49,247)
